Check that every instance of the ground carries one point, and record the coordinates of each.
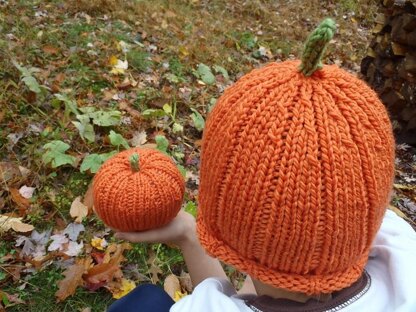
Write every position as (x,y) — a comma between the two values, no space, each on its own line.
(83,79)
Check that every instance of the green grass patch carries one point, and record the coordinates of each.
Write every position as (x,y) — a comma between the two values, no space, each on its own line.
(139,60)
(39,293)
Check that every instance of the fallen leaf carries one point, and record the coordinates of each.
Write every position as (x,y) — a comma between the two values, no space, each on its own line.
(24,171)
(26,191)
(124,105)
(124,289)
(124,85)
(139,138)
(89,198)
(58,242)
(98,257)
(73,230)
(172,285)
(99,243)
(15,271)
(19,200)
(48,49)
(101,273)
(8,222)
(154,269)
(118,65)
(404,187)
(397,211)
(73,249)
(22,227)
(179,295)
(73,278)
(114,252)
(78,210)
(35,245)
(186,282)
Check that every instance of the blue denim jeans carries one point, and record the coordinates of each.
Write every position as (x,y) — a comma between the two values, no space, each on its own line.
(144,298)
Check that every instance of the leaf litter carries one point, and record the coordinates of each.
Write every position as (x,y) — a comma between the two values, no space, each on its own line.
(111,76)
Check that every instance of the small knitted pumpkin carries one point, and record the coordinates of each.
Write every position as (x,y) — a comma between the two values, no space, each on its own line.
(137,190)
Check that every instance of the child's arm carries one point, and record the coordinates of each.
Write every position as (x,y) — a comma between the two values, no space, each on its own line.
(182,232)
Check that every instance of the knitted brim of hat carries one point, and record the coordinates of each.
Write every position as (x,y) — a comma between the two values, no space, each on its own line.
(308,284)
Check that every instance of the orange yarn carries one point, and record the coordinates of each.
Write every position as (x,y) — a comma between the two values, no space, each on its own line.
(137,201)
(295,176)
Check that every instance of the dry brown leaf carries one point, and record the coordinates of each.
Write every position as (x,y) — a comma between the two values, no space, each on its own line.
(404,187)
(100,273)
(154,272)
(139,138)
(78,210)
(73,279)
(124,105)
(154,269)
(186,282)
(89,198)
(22,227)
(105,272)
(114,252)
(172,285)
(48,49)
(397,211)
(9,222)
(9,173)
(19,200)
(15,271)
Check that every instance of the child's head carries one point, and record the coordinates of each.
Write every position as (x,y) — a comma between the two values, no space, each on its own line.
(295,174)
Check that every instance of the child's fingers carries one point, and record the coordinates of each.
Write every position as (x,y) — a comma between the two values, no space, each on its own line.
(139,237)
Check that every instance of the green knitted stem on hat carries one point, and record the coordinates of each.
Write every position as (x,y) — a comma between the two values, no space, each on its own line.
(315,47)
(134,162)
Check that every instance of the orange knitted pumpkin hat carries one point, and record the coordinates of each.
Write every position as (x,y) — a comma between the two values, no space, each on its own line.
(137,190)
(296,167)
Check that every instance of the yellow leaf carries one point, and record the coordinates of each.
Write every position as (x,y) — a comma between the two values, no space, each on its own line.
(179,295)
(397,211)
(404,187)
(119,66)
(99,243)
(113,60)
(78,210)
(183,51)
(126,287)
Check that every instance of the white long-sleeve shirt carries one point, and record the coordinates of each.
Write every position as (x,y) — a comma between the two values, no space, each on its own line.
(389,282)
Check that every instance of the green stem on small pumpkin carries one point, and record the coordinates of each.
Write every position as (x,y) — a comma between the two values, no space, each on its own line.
(315,47)
(134,162)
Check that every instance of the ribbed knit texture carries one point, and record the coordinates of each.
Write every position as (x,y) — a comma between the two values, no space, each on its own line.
(137,201)
(295,176)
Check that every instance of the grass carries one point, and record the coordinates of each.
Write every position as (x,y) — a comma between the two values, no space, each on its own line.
(71,45)
(39,292)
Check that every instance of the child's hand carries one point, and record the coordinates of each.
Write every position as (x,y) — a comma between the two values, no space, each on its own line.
(180,230)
